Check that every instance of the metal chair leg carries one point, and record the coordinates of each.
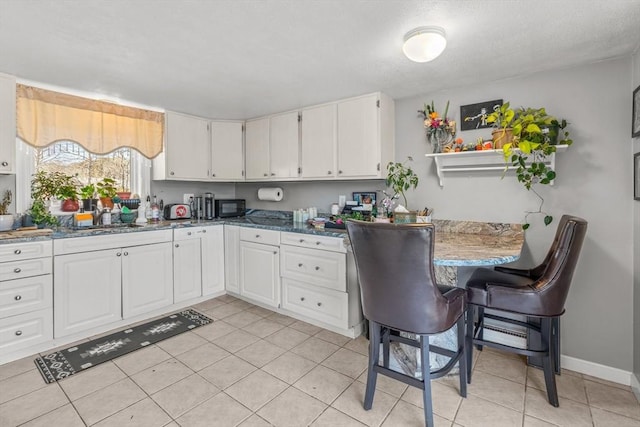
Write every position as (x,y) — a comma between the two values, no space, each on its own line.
(426,378)
(480,326)
(548,361)
(462,363)
(385,346)
(555,335)
(469,341)
(374,357)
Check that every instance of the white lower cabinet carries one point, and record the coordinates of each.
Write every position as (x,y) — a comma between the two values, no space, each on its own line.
(260,273)
(325,305)
(232,258)
(146,278)
(213,259)
(87,290)
(187,267)
(131,274)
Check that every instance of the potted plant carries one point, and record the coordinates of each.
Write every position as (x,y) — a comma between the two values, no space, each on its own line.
(40,215)
(6,219)
(87,194)
(67,191)
(401,178)
(106,190)
(502,119)
(535,134)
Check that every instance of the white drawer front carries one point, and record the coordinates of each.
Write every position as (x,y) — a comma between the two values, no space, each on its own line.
(322,268)
(26,250)
(187,233)
(260,235)
(25,330)
(25,295)
(324,305)
(26,268)
(312,241)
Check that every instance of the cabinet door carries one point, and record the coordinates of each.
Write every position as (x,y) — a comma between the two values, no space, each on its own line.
(358,138)
(212,247)
(284,140)
(232,258)
(260,273)
(227,160)
(188,146)
(257,149)
(147,279)
(86,290)
(187,273)
(318,142)
(7,123)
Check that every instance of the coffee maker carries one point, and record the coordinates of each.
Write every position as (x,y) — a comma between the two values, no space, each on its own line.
(208,206)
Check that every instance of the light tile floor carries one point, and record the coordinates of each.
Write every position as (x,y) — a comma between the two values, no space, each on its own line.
(252,367)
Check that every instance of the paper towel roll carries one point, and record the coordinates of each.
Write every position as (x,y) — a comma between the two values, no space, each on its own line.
(274,194)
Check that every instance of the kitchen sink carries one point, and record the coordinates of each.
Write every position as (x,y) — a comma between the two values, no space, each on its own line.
(108,227)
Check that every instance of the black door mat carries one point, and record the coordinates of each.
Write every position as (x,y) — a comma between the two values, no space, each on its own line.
(61,364)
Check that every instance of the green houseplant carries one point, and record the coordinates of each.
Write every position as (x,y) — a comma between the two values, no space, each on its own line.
(88,196)
(67,191)
(535,134)
(501,120)
(107,191)
(401,178)
(40,215)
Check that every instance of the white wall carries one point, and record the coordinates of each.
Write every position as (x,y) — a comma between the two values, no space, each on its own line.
(594,181)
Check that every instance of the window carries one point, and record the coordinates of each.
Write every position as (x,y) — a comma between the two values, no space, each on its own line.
(129,168)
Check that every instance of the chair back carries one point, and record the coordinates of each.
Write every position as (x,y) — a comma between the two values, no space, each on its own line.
(559,265)
(397,281)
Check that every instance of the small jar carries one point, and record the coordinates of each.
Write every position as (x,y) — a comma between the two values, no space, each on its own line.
(106,216)
(335,209)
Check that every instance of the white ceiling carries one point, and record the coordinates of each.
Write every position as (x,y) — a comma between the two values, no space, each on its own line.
(245,58)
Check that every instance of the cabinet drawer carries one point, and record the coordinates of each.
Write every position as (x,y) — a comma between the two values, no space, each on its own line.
(324,305)
(25,295)
(25,330)
(322,268)
(313,241)
(26,268)
(187,233)
(260,235)
(26,250)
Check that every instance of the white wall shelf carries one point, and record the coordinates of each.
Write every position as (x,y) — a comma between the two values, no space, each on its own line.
(485,160)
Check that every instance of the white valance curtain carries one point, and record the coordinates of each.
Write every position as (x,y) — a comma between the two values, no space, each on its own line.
(44,117)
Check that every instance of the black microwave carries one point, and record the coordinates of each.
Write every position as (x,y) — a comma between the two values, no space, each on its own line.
(226,208)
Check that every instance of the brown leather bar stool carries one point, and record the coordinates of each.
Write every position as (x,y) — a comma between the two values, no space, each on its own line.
(538,293)
(399,293)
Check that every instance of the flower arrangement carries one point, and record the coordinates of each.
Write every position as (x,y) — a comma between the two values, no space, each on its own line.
(440,129)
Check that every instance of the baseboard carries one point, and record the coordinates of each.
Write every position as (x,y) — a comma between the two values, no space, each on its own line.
(635,385)
(597,370)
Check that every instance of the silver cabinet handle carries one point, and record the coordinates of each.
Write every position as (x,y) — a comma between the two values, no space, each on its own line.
(300,265)
(301,240)
(339,171)
(177,245)
(171,173)
(317,243)
(17,252)
(204,231)
(5,164)
(301,298)
(213,175)
(329,173)
(119,253)
(17,270)
(275,252)
(273,174)
(317,268)
(257,236)
(17,297)
(126,253)
(18,333)
(266,174)
(319,304)
(188,233)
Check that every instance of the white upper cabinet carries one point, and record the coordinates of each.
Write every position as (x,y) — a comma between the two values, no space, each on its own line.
(7,124)
(318,142)
(365,136)
(227,159)
(284,140)
(186,151)
(257,149)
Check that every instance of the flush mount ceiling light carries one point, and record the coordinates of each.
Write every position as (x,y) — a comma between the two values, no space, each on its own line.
(424,44)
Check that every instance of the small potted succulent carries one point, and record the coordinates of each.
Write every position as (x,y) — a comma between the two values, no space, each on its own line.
(107,191)
(6,219)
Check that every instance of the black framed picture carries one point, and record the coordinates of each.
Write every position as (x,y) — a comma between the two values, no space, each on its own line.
(365,197)
(474,116)
(635,129)
(636,176)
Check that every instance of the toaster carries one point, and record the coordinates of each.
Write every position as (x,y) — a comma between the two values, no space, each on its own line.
(177,211)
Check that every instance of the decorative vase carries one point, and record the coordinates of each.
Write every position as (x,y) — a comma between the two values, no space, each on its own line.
(439,138)
(70,205)
(6,222)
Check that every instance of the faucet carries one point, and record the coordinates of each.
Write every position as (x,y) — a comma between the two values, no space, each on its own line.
(97,215)
(104,214)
